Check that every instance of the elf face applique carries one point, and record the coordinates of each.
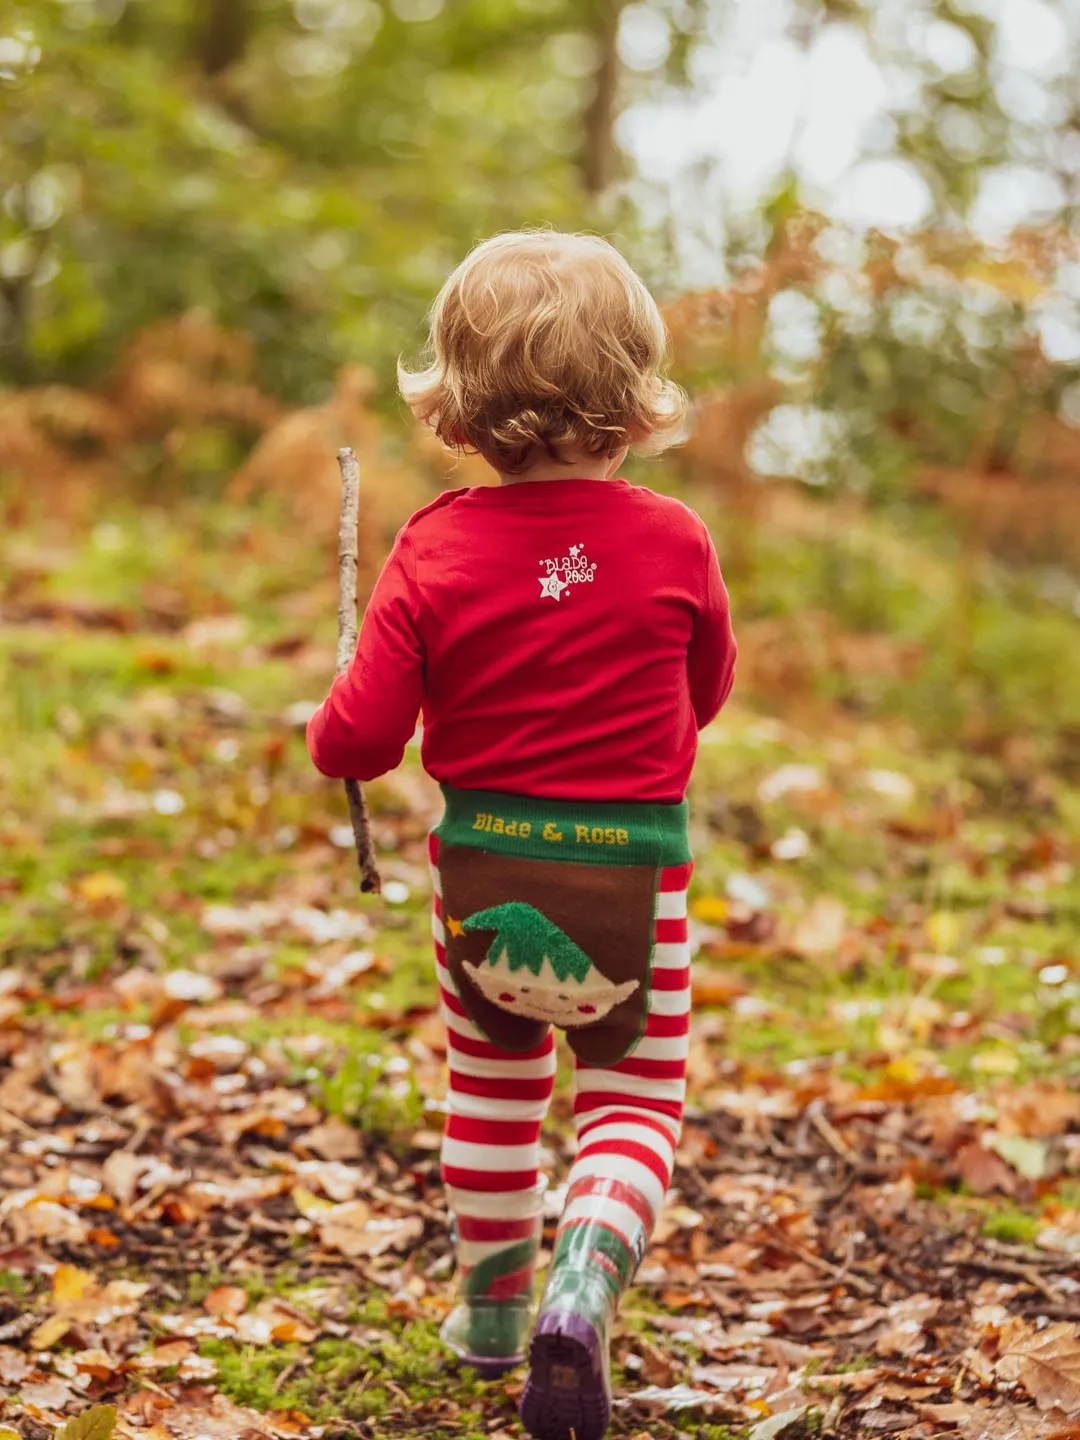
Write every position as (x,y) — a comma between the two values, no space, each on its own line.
(561,573)
(533,968)
(533,943)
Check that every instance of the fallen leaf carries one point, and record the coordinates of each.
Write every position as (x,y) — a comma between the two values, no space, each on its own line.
(789,779)
(50,1332)
(951,1413)
(710,909)
(226,1300)
(70,1283)
(1047,1364)
(678,1397)
(97,1423)
(165,1355)
(98,1363)
(314,1206)
(983,1172)
(905,1333)
(716,987)
(1030,1158)
(14,1365)
(821,929)
(102,891)
(120,1175)
(50,1393)
(775,1425)
(191,987)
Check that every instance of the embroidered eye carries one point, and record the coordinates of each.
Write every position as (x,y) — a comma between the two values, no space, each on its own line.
(524,989)
(507,998)
(564,997)
(587,1009)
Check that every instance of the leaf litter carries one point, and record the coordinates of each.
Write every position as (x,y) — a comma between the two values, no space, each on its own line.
(220,1107)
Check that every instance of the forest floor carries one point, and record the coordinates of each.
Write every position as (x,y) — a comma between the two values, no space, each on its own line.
(221,1069)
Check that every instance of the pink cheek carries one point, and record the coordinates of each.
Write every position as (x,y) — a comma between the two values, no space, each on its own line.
(507,999)
(586,1009)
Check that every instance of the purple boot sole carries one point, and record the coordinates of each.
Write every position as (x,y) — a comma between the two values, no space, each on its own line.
(567,1395)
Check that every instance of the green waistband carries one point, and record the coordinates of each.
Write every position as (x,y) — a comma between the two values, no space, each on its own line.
(596,834)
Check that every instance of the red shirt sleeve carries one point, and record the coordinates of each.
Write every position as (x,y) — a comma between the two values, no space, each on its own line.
(712,653)
(361,729)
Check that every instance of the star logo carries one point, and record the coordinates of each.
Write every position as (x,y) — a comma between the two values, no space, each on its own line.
(454,927)
(551,585)
(575,551)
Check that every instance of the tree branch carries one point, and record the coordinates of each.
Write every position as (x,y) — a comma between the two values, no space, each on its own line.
(370,882)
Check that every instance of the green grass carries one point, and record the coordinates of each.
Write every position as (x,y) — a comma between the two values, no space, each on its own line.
(344,1379)
(173,771)
(14,1284)
(1012,1226)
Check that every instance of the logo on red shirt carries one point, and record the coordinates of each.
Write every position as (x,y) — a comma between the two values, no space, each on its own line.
(560,574)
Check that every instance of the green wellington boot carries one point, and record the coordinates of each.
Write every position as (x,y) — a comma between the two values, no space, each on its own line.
(597,1250)
(489,1326)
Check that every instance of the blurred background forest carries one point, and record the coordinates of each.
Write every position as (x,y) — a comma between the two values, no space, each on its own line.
(221,222)
(217,213)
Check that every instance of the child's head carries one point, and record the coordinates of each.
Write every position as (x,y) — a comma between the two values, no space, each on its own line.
(545,346)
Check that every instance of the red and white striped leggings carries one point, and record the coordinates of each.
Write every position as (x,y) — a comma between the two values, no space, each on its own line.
(628,1115)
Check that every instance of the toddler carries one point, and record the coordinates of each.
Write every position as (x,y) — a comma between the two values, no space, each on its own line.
(564,634)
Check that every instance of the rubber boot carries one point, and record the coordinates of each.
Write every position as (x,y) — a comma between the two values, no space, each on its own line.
(597,1251)
(489,1326)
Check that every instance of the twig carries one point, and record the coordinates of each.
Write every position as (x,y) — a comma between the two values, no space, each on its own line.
(843,1276)
(370,883)
(1013,1271)
(285,1376)
(832,1136)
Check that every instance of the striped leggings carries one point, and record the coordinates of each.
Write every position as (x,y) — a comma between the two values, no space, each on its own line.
(628,1116)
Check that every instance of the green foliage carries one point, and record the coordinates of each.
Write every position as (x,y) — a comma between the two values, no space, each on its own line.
(363,1092)
(339,1378)
(1012,1226)
(135,188)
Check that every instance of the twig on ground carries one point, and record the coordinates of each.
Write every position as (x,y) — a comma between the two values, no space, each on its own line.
(1014,1271)
(842,1275)
(832,1416)
(370,882)
(285,1376)
(150,1199)
(832,1137)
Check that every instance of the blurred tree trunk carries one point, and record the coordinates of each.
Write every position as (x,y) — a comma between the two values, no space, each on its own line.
(599,157)
(223,31)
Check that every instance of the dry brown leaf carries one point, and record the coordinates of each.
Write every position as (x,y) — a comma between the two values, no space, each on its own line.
(48,1394)
(984,1172)
(162,1356)
(821,929)
(98,1363)
(1047,1364)
(948,1414)
(14,1365)
(716,987)
(904,1333)
(120,1175)
(226,1300)
(334,1140)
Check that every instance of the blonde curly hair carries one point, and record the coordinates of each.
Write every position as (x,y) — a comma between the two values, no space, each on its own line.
(543,342)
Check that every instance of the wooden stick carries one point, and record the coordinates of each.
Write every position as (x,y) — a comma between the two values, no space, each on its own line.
(370,883)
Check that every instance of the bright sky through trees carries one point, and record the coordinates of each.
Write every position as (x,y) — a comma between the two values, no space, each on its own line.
(765,102)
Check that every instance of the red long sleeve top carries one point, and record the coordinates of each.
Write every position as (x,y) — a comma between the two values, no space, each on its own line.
(562,639)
